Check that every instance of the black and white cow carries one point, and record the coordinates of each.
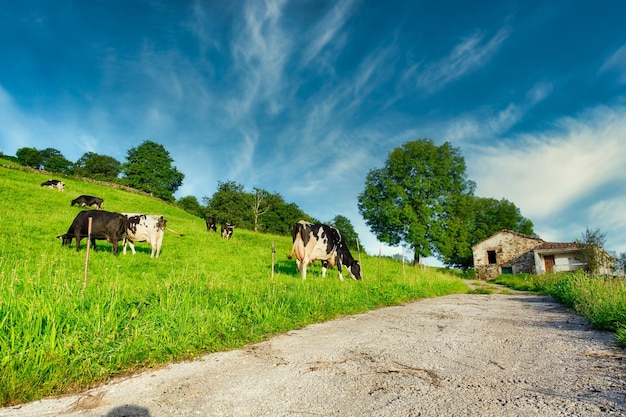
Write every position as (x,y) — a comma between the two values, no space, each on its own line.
(313,242)
(227,230)
(210,224)
(145,228)
(104,226)
(59,185)
(88,200)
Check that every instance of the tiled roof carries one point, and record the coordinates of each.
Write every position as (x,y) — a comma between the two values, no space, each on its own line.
(557,246)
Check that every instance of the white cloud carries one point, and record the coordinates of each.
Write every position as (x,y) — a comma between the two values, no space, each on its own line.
(546,173)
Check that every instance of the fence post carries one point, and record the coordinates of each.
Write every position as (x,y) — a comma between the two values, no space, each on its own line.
(273,252)
(358,249)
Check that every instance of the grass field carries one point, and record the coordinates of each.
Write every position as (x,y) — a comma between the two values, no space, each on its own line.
(204,294)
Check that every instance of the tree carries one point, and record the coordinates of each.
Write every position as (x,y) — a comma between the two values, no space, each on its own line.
(97,167)
(282,216)
(406,201)
(191,205)
(474,220)
(591,250)
(149,168)
(30,157)
(230,204)
(350,236)
(54,161)
(260,205)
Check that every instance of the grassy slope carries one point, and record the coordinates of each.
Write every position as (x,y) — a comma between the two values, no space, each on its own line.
(203,294)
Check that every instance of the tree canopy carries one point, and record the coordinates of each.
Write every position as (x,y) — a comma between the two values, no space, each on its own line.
(149,168)
(30,157)
(97,167)
(474,219)
(259,210)
(411,200)
(49,159)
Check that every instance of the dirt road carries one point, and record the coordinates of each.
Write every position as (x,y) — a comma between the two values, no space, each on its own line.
(460,355)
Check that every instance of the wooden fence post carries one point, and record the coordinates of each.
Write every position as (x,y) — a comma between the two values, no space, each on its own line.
(273,252)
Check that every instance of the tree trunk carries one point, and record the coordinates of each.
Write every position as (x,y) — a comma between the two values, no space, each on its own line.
(416,257)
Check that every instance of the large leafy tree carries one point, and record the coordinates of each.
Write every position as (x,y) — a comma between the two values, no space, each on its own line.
(149,168)
(473,220)
(411,199)
(97,167)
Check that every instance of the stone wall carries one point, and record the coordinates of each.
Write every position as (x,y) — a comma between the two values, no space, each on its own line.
(512,250)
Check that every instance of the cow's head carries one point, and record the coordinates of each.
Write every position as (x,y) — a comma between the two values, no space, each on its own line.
(66,239)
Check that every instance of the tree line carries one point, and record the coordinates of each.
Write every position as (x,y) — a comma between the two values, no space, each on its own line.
(259,210)
(148,167)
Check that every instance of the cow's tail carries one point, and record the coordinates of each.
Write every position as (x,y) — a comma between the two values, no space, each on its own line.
(296,231)
(174,231)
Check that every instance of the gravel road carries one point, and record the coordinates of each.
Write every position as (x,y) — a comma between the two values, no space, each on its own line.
(459,355)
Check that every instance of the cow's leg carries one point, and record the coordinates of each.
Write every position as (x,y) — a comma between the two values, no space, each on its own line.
(132,246)
(303,265)
(153,248)
(116,243)
(324,268)
(159,243)
(340,267)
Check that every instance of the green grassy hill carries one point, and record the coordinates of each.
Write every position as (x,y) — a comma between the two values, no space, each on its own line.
(203,294)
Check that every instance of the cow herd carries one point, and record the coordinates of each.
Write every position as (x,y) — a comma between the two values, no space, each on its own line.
(311,241)
(113,227)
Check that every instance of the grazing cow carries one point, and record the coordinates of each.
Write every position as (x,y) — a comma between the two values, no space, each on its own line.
(59,185)
(313,242)
(210,224)
(104,226)
(227,230)
(145,228)
(88,200)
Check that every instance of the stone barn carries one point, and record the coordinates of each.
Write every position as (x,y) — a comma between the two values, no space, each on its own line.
(505,252)
(508,252)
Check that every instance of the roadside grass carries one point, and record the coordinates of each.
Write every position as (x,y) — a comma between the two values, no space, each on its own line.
(204,294)
(599,299)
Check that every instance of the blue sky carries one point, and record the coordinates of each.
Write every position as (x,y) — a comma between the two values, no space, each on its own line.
(304,97)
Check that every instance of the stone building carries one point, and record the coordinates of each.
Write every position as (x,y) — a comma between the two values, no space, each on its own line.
(508,252)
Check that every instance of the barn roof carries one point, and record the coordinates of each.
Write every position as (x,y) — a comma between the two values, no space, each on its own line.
(558,246)
(509,232)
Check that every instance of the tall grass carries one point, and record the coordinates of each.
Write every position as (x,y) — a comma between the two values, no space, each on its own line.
(204,294)
(602,300)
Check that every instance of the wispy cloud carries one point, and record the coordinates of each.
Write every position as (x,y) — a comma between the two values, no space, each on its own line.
(326,31)
(617,62)
(472,53)
(485,124)
(259,54)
